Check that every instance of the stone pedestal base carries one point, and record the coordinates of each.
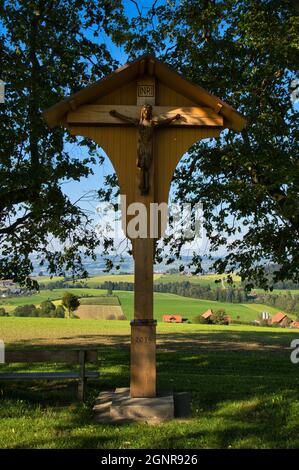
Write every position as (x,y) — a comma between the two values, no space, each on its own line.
(118,406)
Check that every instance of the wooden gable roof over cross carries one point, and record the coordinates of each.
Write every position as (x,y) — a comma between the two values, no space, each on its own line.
(147,80)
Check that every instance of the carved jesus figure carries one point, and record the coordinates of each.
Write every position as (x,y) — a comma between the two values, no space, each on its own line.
(145,126)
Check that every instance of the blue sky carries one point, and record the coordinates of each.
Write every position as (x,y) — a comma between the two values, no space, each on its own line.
(74,189)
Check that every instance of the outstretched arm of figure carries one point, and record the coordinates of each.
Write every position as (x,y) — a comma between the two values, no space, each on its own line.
(165,122)
(114,113)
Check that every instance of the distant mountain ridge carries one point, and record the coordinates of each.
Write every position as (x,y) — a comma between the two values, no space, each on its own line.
(96,268)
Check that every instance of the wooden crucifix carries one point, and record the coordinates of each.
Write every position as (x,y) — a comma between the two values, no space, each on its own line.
(145,116)
(145,126)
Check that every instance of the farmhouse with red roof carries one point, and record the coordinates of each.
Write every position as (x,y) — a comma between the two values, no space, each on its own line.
(208,314)
(281,319)
(172,318)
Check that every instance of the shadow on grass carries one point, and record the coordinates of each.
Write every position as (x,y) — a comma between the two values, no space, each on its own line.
(241,397)
(208,338)
(265,420)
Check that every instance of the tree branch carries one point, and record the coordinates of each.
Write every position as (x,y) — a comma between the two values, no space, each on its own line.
(9,230)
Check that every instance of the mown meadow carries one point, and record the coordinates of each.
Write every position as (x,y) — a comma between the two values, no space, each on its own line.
(244,387)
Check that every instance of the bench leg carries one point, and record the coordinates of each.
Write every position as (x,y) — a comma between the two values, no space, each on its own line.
(81,389)
(82,379)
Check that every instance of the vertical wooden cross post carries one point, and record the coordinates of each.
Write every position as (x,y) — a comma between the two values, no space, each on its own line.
(143,327)
(144,154)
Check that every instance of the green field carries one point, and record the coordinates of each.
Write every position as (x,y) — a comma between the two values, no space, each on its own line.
(204,279)
(244,387)
(38,297)
(163,304)
(277,291)
(100,300)
(47,279)
(94,281)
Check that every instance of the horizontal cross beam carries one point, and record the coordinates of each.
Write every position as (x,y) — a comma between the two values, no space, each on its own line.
(100,115)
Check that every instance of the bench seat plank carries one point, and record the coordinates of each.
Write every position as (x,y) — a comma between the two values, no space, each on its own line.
(49,355)
(80,356)
(46,375)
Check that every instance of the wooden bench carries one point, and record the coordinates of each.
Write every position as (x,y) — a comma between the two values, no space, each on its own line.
(79,356)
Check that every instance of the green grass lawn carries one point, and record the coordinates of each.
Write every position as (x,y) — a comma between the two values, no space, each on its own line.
(20,332)
(244,387)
